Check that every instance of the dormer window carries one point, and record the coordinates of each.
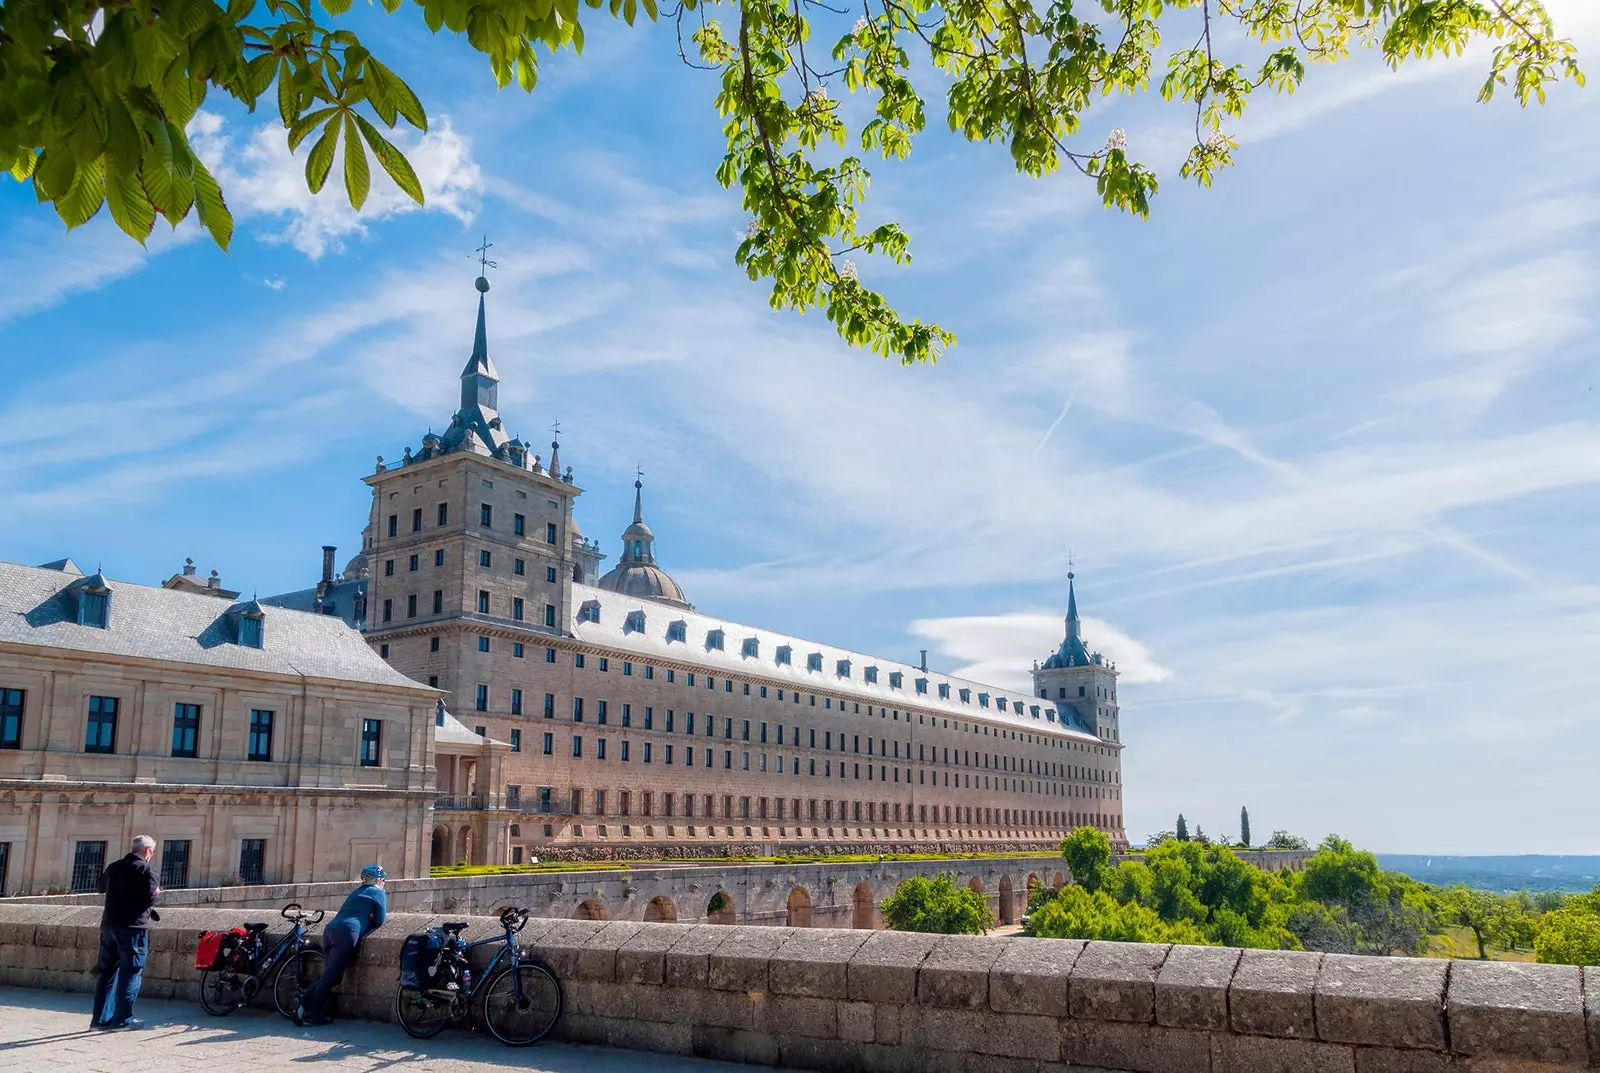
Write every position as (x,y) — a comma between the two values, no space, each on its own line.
(590,611)
(841,668)
(714,640)
(983,700)
(966,695)
(895,678)
(250,631)
(94,602)
(751,648)
(784,655)
(1034,711)
(922,685)
(677,631)
(870,675)
(1000,702)
(944,690)
(814,661)
(634,622)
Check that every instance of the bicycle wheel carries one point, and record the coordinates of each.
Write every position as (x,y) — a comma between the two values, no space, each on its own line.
(422,1015)
(295,976)
(222,992)
(519,1022)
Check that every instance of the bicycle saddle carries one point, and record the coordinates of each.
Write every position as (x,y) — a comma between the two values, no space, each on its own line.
(455,925)
(255,927)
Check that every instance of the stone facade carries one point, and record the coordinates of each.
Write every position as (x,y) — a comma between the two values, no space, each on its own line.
(635,721)
(252,743)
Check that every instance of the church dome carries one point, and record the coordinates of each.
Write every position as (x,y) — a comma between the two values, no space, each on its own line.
(637,573)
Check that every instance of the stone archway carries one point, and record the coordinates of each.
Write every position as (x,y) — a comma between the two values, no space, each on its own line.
(975,884)
(440,855)
(866,912)
(1060,881)
(464,846)
(590,909)
(661,909)
(720,909)
(1007,910)
(799,907)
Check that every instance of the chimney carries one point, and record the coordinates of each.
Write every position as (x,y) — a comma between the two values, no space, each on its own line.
(214,581)
(188,568)
(923,666)
(327,563)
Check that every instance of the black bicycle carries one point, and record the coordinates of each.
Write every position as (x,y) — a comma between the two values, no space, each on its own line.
(224,989)
(521,997)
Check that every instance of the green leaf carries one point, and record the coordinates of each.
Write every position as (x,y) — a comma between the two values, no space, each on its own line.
(336,7)
(79,204)
(124,146)
(321,158)
(129,205)
(214,214)
(306,124)
(405,101)
(393,161)
(24,165)
(357,173)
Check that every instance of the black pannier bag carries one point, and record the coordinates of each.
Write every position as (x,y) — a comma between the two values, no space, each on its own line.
(423,966)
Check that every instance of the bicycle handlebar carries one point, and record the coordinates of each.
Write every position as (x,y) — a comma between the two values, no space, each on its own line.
(514,919)
(293,911)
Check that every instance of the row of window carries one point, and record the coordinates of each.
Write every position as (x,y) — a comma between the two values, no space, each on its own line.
(89,861)
(100,729)
(519,566)
(519,523)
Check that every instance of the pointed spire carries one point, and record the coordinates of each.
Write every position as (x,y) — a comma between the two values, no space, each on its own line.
(479,380)
(638,486)
(1072,609)
(555,450)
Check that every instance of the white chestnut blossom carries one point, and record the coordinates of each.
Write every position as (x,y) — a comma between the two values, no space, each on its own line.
(751,228)
(862,25)
(820,94)
(847,270)
(1117,139)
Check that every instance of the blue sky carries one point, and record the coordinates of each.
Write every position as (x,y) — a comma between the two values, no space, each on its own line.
(1324,440)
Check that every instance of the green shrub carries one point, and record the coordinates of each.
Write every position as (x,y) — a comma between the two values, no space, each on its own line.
(937,905)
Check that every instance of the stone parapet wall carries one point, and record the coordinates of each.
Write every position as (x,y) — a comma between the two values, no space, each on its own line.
(891,1001)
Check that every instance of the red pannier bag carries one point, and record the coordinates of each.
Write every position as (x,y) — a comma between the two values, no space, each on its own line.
(216,948)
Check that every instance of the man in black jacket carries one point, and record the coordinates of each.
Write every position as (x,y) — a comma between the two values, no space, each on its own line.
(130,888)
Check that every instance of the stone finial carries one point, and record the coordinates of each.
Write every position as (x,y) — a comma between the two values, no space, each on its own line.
(188,567)
(380,464)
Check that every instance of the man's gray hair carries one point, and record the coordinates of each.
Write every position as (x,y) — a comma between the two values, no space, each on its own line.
(142,843)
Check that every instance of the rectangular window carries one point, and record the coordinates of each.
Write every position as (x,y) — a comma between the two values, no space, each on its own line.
(627,669)
(605,665)
(388,568)
(260,735)
(514,794)
(88,861)
(519,567)
(516,741)
(550,574)
(438,557)
(483,644)
(549,655)
(516,608)
(100,736)
(600,748)
(252,860)
(10,723)
(174,865)
(627,715)
(600,712)
(485,557)
(483,601)
(649,672)
(371,742)
(647,752)
(388,610)
(549,744)
(577,745)
(444,518)
(516,649)
(413,564)
(549,705)
(550,532)
(549,614)
(411,606)
(416,520)
(438,602)
(516,702)
(577,659)
(519,525)
(486,515)
(394,525)
(577,709)
(482,703)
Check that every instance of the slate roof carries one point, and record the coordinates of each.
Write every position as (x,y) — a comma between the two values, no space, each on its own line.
(150,622)
(343,596)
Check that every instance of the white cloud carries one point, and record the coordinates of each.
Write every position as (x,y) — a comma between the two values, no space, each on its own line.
(261,178)
(1002,648)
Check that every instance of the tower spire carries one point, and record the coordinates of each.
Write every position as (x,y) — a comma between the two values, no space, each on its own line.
(1073,625)
(479,380)
(638,486)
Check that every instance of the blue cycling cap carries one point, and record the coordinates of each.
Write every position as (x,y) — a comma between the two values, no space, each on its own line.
(374,871)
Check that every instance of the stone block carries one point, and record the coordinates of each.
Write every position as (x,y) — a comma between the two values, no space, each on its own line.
(688,961)
(1508,1009)
(1030,976)
(878,1058)
(1116,981)
(740,963)
(857,1021)
(561,944)
(980,1031)
(1139,1048)
(794,1015)
(827,1055)
(815,962)
(650,1036)
(1265,1054)
(956,971)
(884,968)
(1273,993)
(699,1005)
(1591,1011)
(1402,1060)
(1382,1001)
(598,958)
(887,1019)
(1192,987)
(581,1028)
(734,1044)
(641,959)
(601,999)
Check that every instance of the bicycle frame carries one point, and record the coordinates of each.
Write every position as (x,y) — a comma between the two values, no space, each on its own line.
(508,945)
(295,940)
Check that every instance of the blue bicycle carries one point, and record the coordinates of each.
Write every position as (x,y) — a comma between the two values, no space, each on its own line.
(521,998)
(246,964)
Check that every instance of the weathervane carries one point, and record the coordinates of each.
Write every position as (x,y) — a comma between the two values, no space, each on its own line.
(484,264)
(1069,564)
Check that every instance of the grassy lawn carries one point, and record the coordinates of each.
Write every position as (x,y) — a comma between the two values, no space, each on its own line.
(1458,943)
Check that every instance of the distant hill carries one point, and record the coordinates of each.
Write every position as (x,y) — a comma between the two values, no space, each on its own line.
(1531,872)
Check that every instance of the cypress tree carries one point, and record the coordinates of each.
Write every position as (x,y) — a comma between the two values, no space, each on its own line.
(1244,827)
(1182,833)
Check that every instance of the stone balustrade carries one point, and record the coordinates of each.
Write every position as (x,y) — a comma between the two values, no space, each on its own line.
(891,1001)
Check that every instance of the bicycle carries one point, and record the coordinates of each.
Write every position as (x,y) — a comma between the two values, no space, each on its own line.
(521,999)
(298,966)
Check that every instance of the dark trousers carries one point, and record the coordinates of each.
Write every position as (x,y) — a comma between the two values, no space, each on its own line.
(122,954)
(338,953)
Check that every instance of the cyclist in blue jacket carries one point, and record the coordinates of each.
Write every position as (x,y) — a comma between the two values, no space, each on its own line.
(363,912)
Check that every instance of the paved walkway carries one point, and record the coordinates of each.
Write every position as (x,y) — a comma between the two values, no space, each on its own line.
(47,1032)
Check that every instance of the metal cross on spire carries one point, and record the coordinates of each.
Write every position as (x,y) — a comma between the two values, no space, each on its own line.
(484,264)
(555,429)
(1069,564)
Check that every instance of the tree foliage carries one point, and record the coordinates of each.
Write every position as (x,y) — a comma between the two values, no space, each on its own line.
(937,905)
(1570,935)
(1088,852)
(1181,832)
(96,95)
(1244,827)
(1285,840)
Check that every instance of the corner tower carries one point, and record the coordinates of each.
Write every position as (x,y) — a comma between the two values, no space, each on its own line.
(636,573)
(1083,684)
(470,537)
